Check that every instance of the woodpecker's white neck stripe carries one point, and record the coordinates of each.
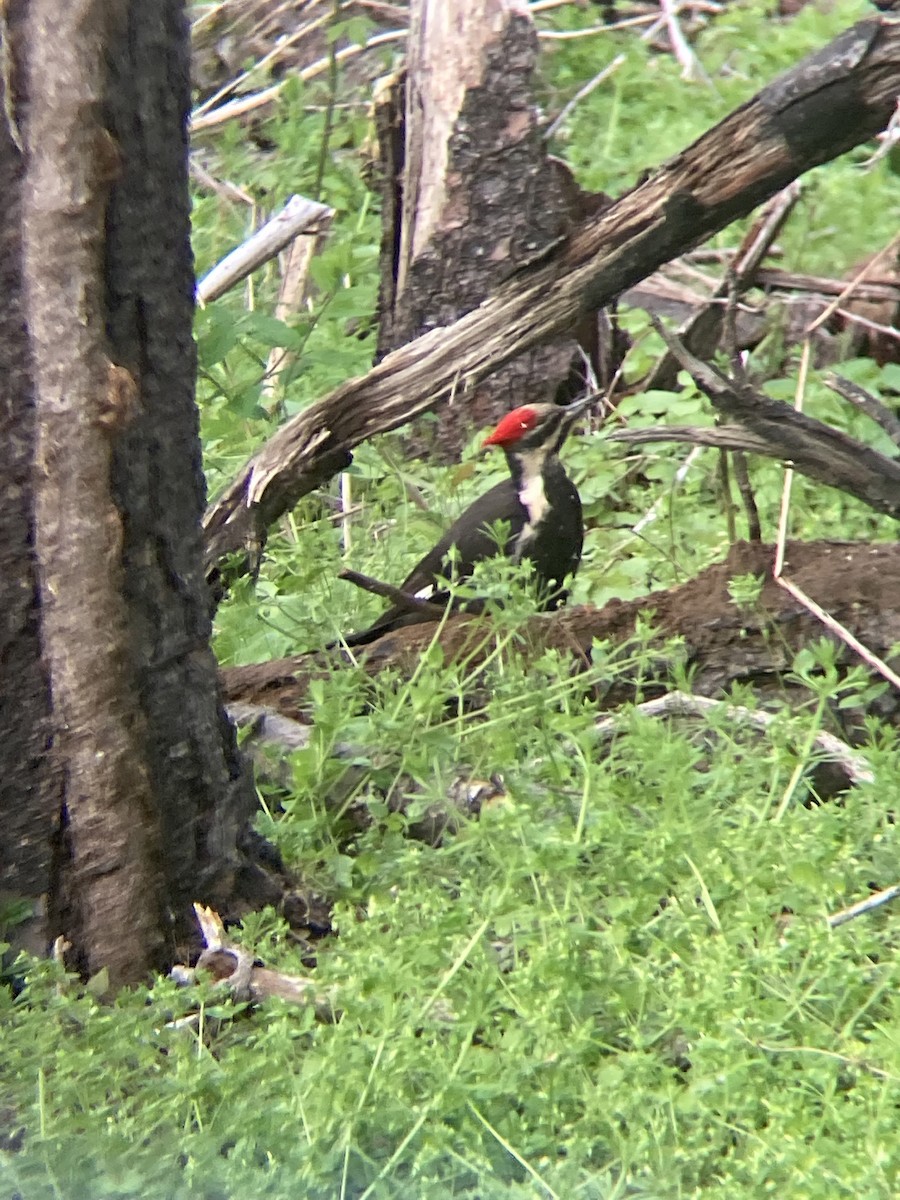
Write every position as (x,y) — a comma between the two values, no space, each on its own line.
(532,493)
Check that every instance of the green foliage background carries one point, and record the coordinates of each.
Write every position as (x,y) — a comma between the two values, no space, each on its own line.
(620,981)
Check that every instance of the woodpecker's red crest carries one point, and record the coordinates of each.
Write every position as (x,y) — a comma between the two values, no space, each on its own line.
(513,426)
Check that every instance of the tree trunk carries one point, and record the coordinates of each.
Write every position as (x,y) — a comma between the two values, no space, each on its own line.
(30,784)
(468,193)
(153,795)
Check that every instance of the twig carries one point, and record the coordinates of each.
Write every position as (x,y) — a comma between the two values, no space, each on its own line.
(652,19)
(859,1063)
(580,95)
(876,900)
(387,591)
(282,44)
(702,331)
(299,215)
(295,272)
(690,64)
(680,704)
(867,323)
(227,191)
(840,631)
(680,475)
(346,510)
(874,408)
(793,281)
(742,476)
(248,104)
(889,137)
(863,273)
(784,511)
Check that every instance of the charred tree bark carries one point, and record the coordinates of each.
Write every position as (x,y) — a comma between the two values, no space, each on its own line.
(837,98)
(468,193)
(30,784)
(153,795)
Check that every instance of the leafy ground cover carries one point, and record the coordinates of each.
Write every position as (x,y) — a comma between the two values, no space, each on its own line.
(620,981)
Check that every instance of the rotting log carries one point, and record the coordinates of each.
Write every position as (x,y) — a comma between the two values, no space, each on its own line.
(720,643)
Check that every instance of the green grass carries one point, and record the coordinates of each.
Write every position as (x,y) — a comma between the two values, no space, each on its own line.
(595,990)
(620,981)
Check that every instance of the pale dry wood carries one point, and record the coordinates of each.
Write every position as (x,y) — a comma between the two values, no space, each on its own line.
(861,907)
(679,704)
(235,968)
(294,288)
(299,216)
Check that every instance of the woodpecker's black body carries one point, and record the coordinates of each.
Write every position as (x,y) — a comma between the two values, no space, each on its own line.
(539,504)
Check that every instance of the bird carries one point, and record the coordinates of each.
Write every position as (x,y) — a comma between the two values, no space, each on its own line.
(538,503)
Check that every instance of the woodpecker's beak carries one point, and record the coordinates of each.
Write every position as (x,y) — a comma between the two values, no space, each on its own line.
(572,411)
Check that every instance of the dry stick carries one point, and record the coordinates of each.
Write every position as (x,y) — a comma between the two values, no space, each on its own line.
(876,900)
(745,488)
(874,408)
(655,22)
(844,634)
(784,512)
(396,595)
(889,138)
(855,766)
(867,323)
(792,281)
(772,428)
(235,968)
(599,78)
(298,255)
(280,46)
(746,440)
(701,333)
(248,104)
(220,187)
(299,215)
(863,273)
(690,64)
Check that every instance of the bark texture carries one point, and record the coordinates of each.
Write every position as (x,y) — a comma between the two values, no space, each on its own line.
(115,896)
(468,192)
(30,786)
(154,791)
(835,99)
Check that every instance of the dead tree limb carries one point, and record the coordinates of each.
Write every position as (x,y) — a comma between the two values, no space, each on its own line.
(773,428)
(833,100)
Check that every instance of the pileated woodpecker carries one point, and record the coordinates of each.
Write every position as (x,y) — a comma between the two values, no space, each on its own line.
(539,504)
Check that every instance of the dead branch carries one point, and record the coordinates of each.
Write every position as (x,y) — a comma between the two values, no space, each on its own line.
(874,408)
(832,101)
(702,333)
(854,765)
(298,216)
(235,968)
(773,428)
(397,596)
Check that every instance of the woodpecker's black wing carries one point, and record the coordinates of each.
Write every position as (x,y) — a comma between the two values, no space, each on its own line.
(469,535)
